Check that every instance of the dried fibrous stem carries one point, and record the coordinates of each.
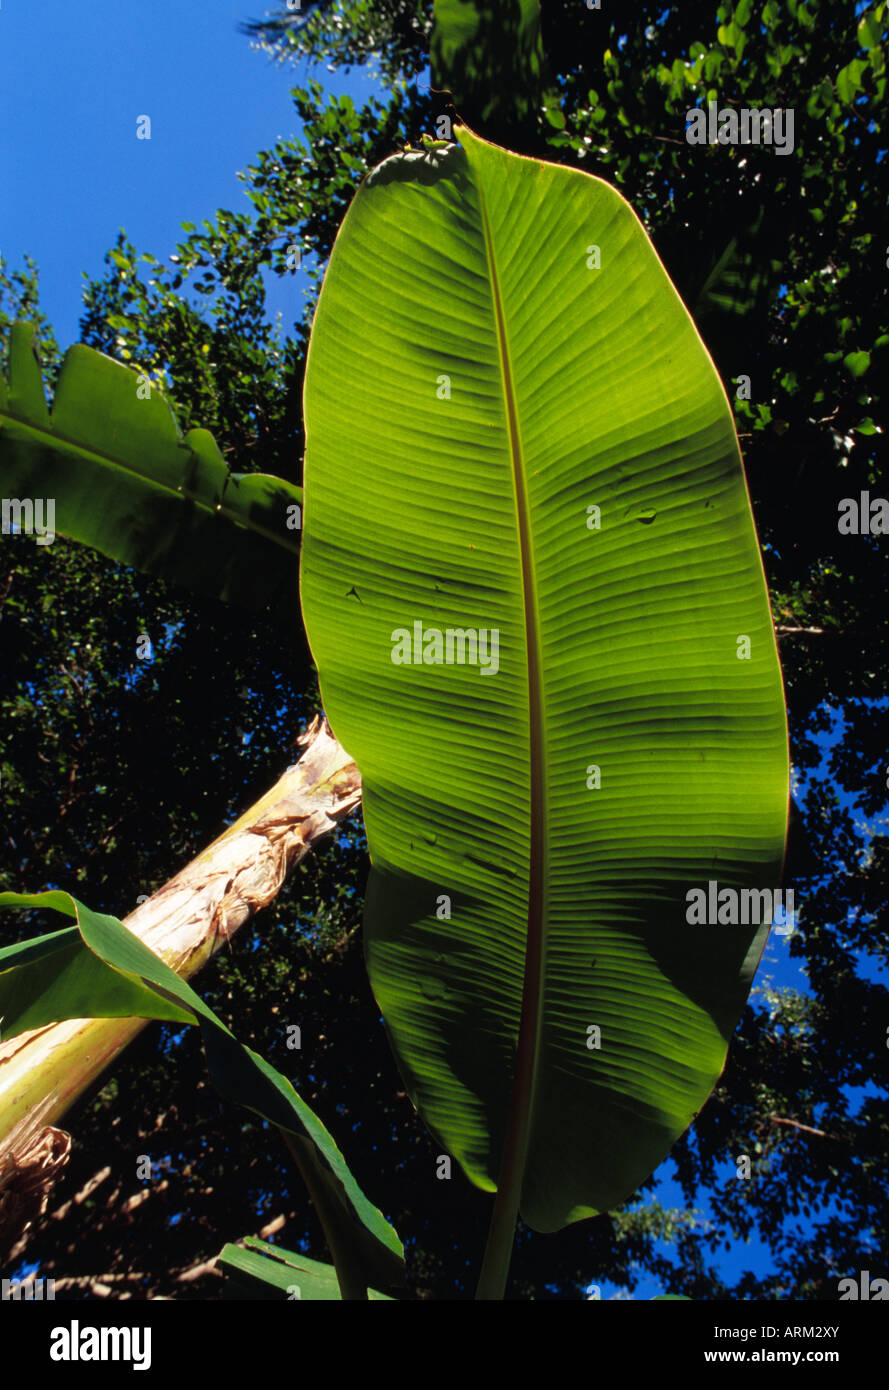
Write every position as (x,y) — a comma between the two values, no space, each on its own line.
(185,922)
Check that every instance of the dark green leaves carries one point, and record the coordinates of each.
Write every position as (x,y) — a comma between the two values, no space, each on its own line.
(488,55)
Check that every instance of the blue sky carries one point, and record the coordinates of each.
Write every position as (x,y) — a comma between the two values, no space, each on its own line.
(74,79)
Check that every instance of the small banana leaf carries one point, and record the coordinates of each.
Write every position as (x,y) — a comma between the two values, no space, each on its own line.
(99,969)
(263,1271)
(124,480)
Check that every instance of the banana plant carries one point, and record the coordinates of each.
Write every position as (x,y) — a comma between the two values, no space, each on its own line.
(531,583)
(532,586)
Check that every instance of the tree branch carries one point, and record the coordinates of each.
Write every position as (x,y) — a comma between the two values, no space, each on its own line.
(807,1129)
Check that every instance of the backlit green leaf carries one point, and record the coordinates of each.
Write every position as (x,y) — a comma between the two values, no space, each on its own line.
(547,516)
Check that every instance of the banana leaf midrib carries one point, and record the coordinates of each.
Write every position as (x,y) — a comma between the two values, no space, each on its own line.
(521,1105)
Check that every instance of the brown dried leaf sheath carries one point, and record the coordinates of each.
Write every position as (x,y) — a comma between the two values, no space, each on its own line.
(43,1072)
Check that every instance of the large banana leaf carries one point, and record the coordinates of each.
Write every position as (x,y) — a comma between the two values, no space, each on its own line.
(475,386)
(125,481)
